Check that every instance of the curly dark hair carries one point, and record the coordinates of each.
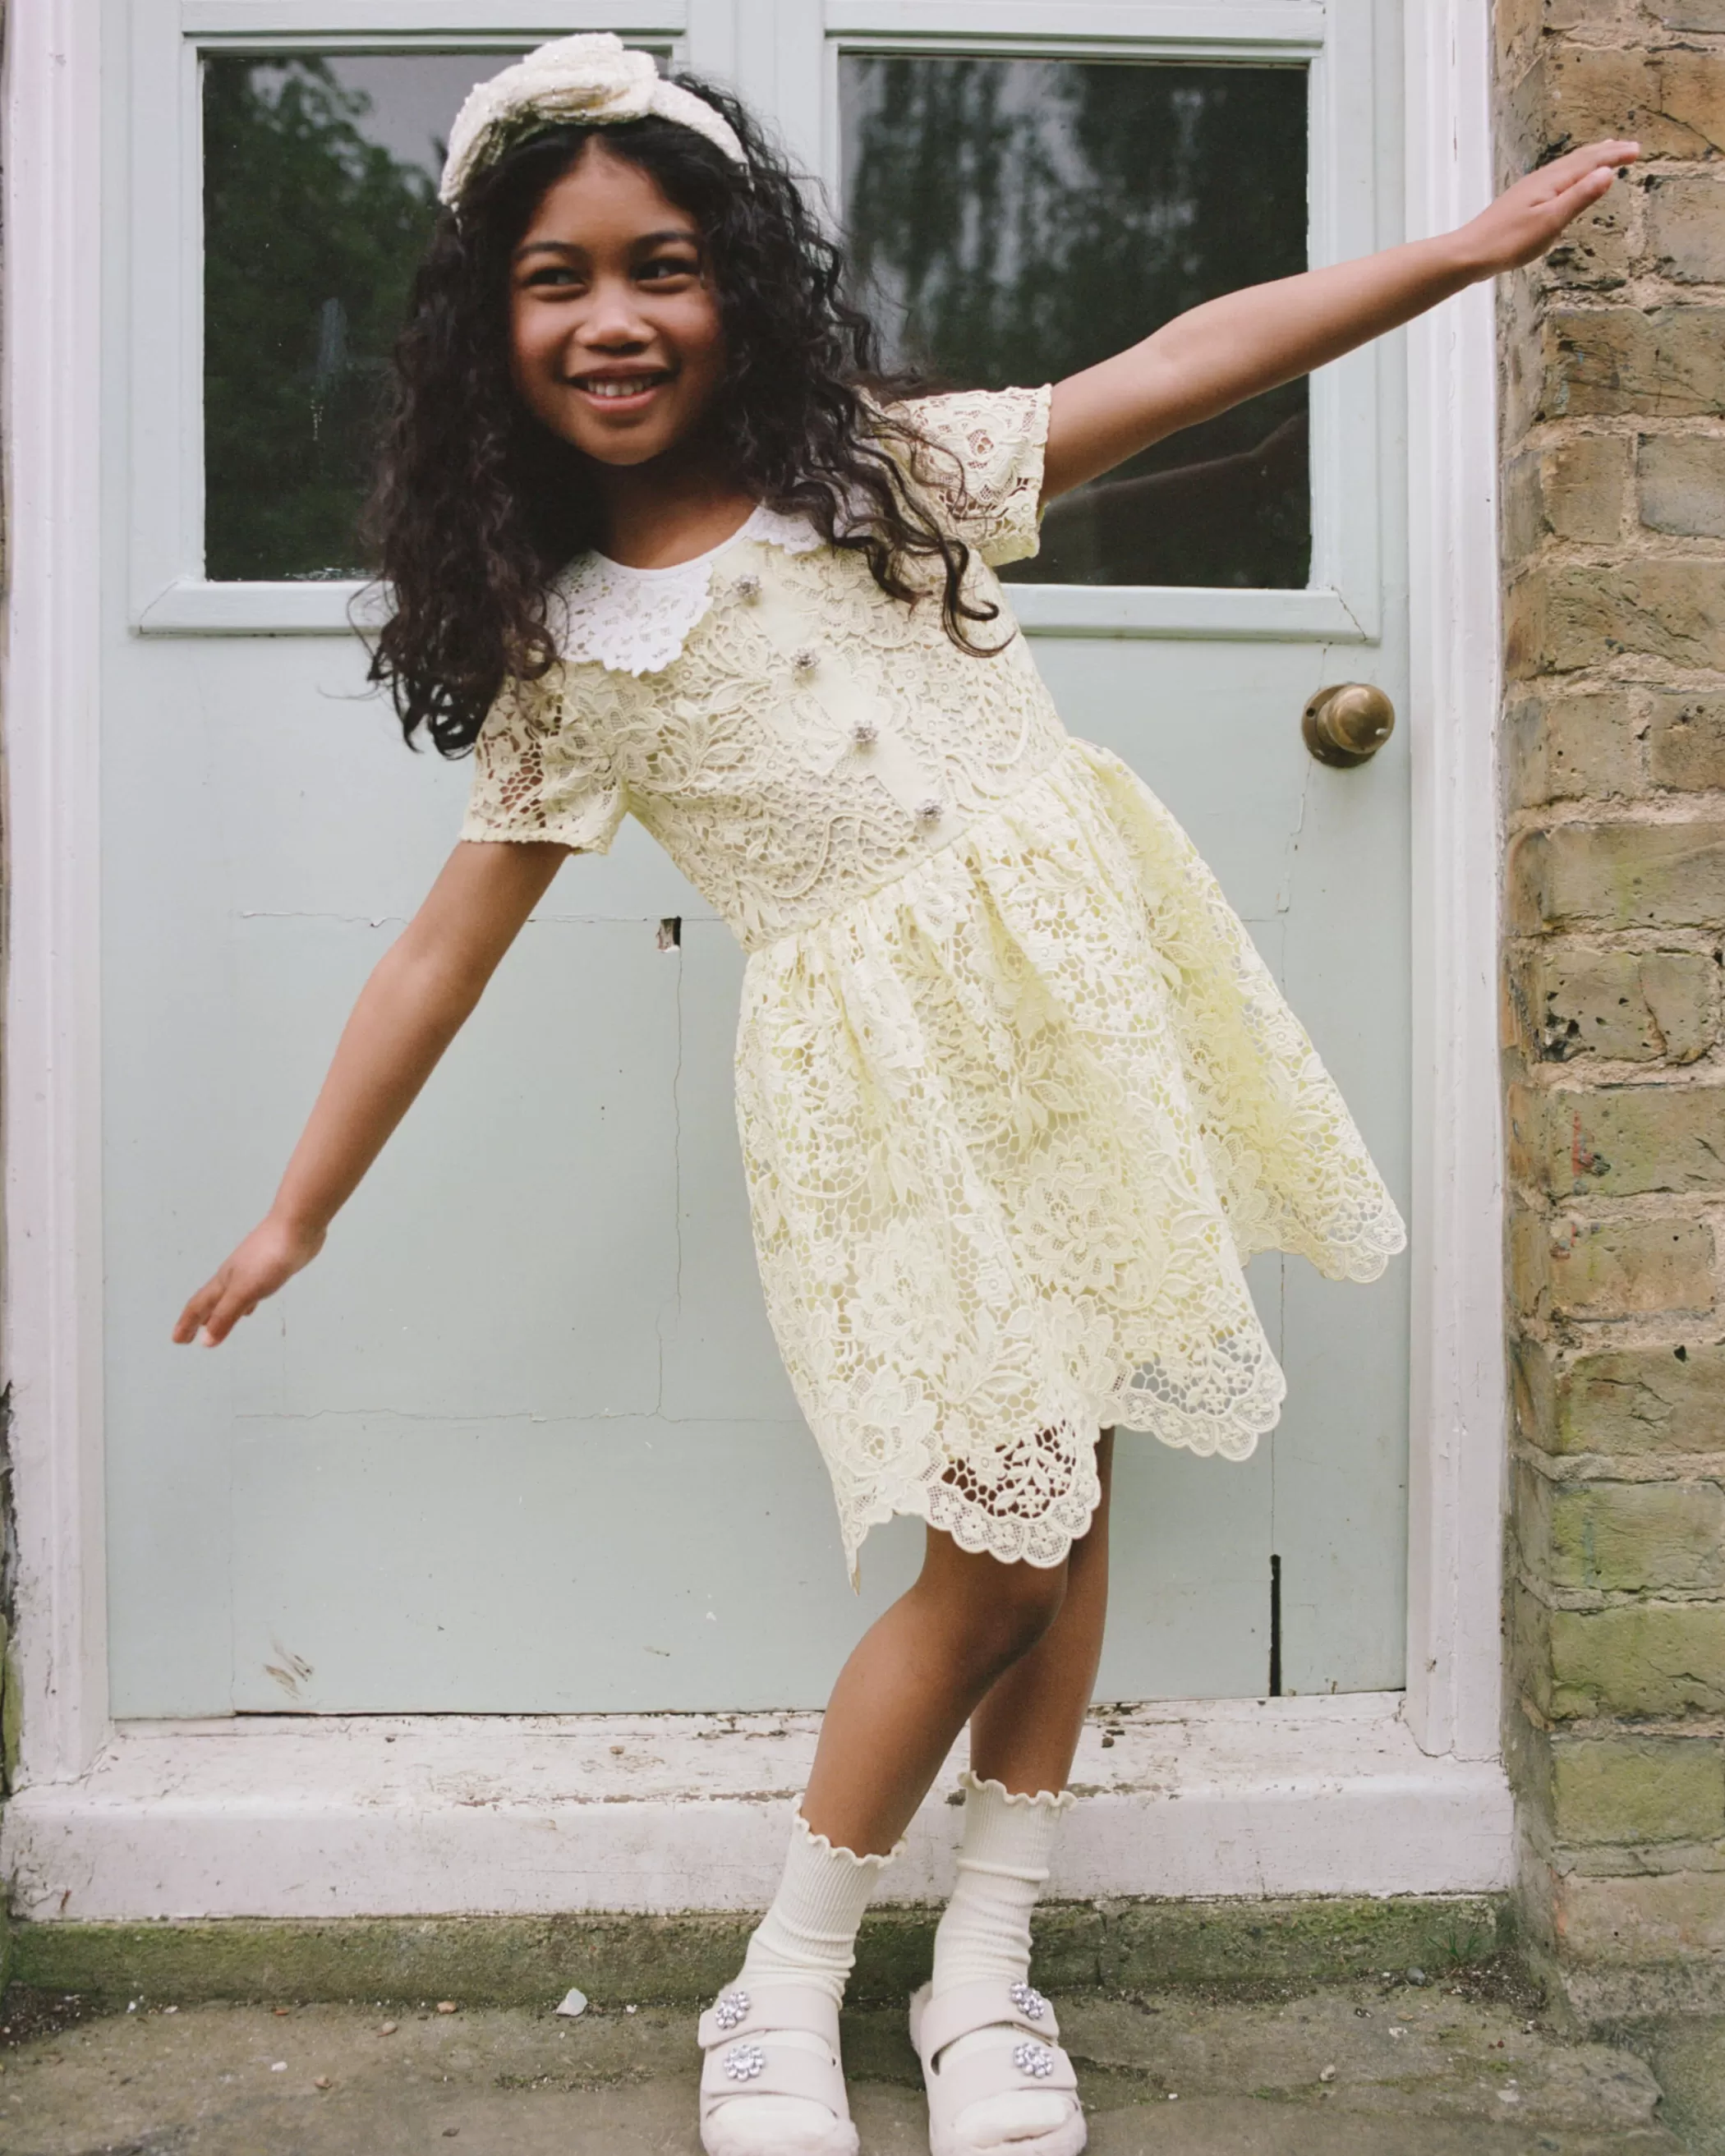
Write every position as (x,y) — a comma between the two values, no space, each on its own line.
(477,505)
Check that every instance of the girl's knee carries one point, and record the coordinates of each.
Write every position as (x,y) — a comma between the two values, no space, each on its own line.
(1008,1610)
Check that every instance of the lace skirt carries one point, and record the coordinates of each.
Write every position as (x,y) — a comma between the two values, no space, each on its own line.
(1011,1127)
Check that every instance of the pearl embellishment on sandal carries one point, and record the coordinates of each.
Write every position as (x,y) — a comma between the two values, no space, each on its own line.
(1035,2060)
(745,2062)
(864,733)
(731,2007)
(1029,2001)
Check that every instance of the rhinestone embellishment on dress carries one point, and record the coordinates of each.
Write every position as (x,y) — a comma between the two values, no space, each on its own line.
(744,2063)
(864,733)
(1035,2060)
(805,661)
(1029,2000)
(731,2007)
(749,589)
(929,811)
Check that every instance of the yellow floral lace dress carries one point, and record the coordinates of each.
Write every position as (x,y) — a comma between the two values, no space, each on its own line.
(1017,1095)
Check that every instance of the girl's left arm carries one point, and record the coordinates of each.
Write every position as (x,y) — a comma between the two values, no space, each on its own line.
(1232,348)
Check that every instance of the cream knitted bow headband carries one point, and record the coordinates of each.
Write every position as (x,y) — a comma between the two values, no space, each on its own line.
(592,78)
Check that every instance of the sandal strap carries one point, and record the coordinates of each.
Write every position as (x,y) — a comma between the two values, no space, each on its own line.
(750,2068)
(987,2003)
(1016,2063)
(770,2007)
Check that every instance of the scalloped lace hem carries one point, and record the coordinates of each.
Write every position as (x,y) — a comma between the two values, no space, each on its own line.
(1142,1398)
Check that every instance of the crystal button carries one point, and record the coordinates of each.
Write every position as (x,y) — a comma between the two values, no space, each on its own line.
(1029,2000)
(745,2063)
(731,2007)
(1035,2060)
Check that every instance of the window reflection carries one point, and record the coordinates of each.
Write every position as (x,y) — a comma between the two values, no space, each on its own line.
(1014,220)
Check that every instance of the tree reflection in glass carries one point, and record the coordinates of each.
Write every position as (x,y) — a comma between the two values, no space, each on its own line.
(1014,220)
(319,195)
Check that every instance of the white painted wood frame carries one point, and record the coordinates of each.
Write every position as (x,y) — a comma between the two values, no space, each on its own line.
(1372,1793)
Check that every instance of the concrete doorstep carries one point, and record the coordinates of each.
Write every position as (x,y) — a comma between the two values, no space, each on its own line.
(1378,2068)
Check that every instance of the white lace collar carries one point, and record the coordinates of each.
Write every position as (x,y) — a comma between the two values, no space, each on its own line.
(635,621)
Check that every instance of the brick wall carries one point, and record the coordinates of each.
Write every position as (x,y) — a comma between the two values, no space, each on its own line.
(1613,448)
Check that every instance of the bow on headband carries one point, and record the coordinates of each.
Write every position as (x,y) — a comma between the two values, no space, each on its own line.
(592,79)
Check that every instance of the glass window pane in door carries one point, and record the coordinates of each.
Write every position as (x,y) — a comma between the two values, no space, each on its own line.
(1011,221)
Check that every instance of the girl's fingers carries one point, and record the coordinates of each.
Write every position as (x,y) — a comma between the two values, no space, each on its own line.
(192,1316)
(1592,156)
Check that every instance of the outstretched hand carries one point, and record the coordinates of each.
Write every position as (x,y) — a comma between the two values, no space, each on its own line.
(1530,217)
(267,1258)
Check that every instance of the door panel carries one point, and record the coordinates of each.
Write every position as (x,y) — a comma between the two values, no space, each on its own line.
(520,1441)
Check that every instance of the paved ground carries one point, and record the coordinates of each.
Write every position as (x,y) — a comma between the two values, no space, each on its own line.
(1385,2069)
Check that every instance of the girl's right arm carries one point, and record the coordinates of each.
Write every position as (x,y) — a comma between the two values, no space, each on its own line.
(418,996)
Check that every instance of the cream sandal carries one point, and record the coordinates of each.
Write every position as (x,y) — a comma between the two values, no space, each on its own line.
(1024,2059)
(742,2061)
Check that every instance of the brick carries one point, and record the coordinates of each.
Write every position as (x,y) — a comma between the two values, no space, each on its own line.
(1659,1917)
(1638,1537)
(1515,26)
(1638,1790)
(1563,745)
(1593,254)
(1685,227)
(1681,480)
(1572,490)
(1633,1006)
(1562,618)
(1664,1658)
(1688,14)
(1561,15)
(1619,1141)
(1686,741)
(1692,95)
(1600,361)
(1672,102)
(1620,875)
(1604,1269)
(1663,1401)
(1530,1642)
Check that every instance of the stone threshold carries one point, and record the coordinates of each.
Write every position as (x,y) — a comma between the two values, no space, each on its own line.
(426,1816)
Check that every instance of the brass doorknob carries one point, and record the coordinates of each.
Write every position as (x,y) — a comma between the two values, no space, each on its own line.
(1347,724)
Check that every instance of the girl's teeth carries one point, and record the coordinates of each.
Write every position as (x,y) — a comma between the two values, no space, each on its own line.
(632,389)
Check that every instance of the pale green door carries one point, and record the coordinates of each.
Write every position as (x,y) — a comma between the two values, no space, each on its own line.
(520,1442)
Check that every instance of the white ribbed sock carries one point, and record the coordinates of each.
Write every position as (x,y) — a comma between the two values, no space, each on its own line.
(1004,1857)
(1003,1866)
(807,1937)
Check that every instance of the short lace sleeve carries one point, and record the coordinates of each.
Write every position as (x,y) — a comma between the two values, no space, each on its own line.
(989,479)
(539,773)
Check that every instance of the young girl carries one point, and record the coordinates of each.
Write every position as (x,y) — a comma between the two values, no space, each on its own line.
(1017,1097)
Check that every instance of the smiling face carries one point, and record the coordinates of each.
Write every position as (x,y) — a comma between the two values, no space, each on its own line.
(615,341)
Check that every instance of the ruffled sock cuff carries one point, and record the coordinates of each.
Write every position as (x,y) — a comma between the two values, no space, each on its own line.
(1047,1801)
(873,1861)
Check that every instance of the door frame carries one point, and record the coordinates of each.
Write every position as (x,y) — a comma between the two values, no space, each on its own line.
(1372,1793)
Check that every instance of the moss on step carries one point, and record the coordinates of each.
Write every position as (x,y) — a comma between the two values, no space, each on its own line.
(521,1960)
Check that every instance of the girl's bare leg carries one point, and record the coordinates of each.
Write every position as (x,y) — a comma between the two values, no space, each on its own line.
(950,1650)
(1025,1731)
